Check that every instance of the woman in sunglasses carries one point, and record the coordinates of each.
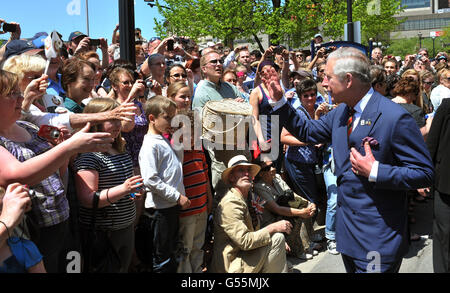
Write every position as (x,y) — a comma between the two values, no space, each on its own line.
(178,72)
(427,79)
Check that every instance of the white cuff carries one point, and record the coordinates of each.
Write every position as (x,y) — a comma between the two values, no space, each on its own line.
(374,172)
(279,104)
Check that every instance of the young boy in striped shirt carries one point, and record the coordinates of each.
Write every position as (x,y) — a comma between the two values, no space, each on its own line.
(193,220)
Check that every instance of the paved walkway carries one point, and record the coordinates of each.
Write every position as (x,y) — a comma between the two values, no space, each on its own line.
(418,259)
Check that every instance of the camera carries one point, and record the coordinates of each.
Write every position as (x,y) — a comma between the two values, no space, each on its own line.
(149,83)
(49,133)
(170,44)
(285,198)
(278,50)
(9,28)
(94,42)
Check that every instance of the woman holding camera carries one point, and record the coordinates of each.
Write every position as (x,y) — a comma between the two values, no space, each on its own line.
(29,159)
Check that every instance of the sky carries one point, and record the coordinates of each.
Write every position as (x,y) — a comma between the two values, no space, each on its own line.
(67,16)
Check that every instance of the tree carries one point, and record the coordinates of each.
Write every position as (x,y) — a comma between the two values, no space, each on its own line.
(290,21)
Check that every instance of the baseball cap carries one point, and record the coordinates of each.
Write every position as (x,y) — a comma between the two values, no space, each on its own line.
(75,35)
(17,47)
(442,57)
(318,35)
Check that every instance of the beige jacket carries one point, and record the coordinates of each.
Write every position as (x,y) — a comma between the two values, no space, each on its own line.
(238,248)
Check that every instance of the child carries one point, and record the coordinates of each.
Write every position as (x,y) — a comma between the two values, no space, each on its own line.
(17,255)
(193,221)
(163,179)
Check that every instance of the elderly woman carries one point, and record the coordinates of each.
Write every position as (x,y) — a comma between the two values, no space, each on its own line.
(33,84)
(280,202)
(30,159)
(240,246)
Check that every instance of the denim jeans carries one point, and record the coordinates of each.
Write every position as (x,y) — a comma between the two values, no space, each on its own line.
(330,220)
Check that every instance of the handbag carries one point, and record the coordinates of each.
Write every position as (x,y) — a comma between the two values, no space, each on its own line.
(100,255)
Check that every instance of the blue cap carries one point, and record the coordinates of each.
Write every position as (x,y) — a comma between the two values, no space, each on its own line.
(17,47)
(75,35)
(39,42)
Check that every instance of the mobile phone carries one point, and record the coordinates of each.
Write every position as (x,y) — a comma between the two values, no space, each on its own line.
(95,42)
(49,133)
(170,44)
(7,27)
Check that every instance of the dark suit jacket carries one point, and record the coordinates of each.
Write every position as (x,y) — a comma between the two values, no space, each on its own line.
(438,142)
(370,216)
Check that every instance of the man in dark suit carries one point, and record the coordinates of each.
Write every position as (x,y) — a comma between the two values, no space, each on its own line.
(379,154)
(438,142)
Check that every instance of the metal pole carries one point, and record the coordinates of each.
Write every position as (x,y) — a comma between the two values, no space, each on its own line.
(126,27)
(434,54)
(87,17)
(350,36)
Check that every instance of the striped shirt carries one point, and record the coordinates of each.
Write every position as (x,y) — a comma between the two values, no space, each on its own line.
(195,179)
(112,170)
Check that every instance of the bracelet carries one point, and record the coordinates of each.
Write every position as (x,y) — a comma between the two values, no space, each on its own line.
(7,230)
(107,198)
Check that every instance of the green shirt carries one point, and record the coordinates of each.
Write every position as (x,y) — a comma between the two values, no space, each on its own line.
(72,106)
(209,91)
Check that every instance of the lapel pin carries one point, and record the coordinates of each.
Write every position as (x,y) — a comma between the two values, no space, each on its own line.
(363,122)
(369,122)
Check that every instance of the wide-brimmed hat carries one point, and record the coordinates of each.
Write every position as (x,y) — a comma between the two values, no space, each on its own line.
(236,161)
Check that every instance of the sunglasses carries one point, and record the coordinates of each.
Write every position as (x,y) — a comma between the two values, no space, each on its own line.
(154,39)
(266,168)
(216,61)
(126,82)
(178,75)
(428,82)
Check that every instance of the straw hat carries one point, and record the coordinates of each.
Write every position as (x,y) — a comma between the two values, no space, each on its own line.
(236,161)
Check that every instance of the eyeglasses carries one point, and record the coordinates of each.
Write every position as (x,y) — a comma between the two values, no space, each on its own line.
(127,82)
(178,75)
(216,61)
(154,39)
(428,82)
(299,56)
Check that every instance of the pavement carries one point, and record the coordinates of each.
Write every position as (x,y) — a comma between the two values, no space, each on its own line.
(418,259)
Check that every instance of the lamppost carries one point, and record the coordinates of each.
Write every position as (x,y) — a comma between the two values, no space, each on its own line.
(420,39)
(434,54)
(349,21)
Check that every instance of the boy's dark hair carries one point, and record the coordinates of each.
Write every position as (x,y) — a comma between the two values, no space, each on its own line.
(257,54)
(158,105)
(306,86)
(391,81)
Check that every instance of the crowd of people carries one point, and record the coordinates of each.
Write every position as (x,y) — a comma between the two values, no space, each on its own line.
(90,162)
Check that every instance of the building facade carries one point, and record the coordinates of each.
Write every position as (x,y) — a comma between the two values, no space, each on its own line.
(422,17)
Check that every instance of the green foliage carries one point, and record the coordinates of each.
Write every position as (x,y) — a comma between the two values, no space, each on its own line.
(403,47)
(290,21)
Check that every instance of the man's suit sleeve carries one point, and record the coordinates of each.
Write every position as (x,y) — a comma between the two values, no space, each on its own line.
(311,131)
(436,127)
(413,169)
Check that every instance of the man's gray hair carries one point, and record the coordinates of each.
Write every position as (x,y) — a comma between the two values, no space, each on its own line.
(353,61)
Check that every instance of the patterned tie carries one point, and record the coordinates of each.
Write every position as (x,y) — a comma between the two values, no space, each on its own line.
(351,112)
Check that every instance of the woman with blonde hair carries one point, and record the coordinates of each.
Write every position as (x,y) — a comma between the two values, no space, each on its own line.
(28,158)
(180,93)
(427,80)
(106,190)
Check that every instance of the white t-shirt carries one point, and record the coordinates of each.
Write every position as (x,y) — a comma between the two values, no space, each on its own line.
(438,94)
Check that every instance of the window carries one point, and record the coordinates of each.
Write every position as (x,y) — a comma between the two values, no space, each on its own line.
(408,4)
(422,24)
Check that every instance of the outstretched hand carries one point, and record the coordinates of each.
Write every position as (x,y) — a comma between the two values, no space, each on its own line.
(272,82)
(362,165)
